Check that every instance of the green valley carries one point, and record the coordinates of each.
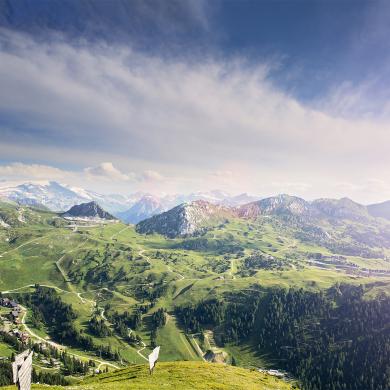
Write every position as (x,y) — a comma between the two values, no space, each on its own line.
(107,294)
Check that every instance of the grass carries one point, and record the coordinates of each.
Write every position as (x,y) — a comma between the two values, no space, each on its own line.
(6,350)
(180,375)
(188,275)
(190,375)
(174,343)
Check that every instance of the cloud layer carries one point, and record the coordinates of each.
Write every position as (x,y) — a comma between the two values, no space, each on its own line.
(179,123)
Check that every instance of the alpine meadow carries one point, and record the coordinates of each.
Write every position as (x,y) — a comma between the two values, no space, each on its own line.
(194,195)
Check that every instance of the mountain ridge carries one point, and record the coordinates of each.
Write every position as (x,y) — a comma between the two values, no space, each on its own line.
(191,218)
(185,219)
(130,208)
(137,206)
(381,210)
(146,207)
(88,210)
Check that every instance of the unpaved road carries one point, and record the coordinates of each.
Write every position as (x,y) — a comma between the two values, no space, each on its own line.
(59,346)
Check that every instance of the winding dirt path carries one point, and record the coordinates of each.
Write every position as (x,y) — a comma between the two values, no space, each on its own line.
(117,234)
(21,245)
(181,277)
(60,346)
(141,349)
(147,258)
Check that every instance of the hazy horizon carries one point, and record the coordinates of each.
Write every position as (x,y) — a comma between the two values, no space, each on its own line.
(161,195)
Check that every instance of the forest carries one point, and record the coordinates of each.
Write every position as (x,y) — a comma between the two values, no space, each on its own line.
(59,318)
(329,340)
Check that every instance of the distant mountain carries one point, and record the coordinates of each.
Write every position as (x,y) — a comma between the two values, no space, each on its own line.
(343,208)
(214,196)
(149,205)
(130,208)
(381,210)
(190,218)
(49,194)
(185,219)
(60,197)
(88,210)
(276,205)
(144,208)
(217,197)
(239,200)
(138,206)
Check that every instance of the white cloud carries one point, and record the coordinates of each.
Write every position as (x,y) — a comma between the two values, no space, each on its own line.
(150,176)
(180,119)
(106,170)
(19,170)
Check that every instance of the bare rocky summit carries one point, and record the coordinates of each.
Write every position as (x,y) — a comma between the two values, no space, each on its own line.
(88,210)
(185,219)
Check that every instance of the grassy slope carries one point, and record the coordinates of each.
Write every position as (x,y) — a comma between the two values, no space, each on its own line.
(6,350)
(180,375)
(189,274)
(174,343)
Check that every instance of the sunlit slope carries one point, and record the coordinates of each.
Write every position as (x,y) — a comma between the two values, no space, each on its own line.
(102,269)
(180,375)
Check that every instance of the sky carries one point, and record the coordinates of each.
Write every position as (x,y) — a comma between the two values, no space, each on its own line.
(172,96)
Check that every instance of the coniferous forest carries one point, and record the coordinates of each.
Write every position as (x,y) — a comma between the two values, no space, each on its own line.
(329,340)
(59,316)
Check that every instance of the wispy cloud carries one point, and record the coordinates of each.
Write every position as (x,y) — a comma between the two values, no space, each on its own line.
(106,170)
(178,119)
(150,176)
(30,171)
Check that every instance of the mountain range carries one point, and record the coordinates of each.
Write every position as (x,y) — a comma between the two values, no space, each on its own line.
(194,217)
(140,206)
(130,208)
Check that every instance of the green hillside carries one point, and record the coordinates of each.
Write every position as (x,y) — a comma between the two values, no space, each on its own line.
(118,293)
(179,375)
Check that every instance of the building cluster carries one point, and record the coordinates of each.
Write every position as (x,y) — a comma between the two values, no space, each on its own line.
(13,319)
(15,312)
(22,336)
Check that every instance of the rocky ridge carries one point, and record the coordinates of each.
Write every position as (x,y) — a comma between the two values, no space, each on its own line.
(89,210)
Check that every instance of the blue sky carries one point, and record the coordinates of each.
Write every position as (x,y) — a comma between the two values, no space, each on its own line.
(319,43)
(176,96)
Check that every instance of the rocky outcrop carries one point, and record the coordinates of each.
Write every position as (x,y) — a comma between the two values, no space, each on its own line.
(185,219)
(88,210)
(275,205)
(343,208)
